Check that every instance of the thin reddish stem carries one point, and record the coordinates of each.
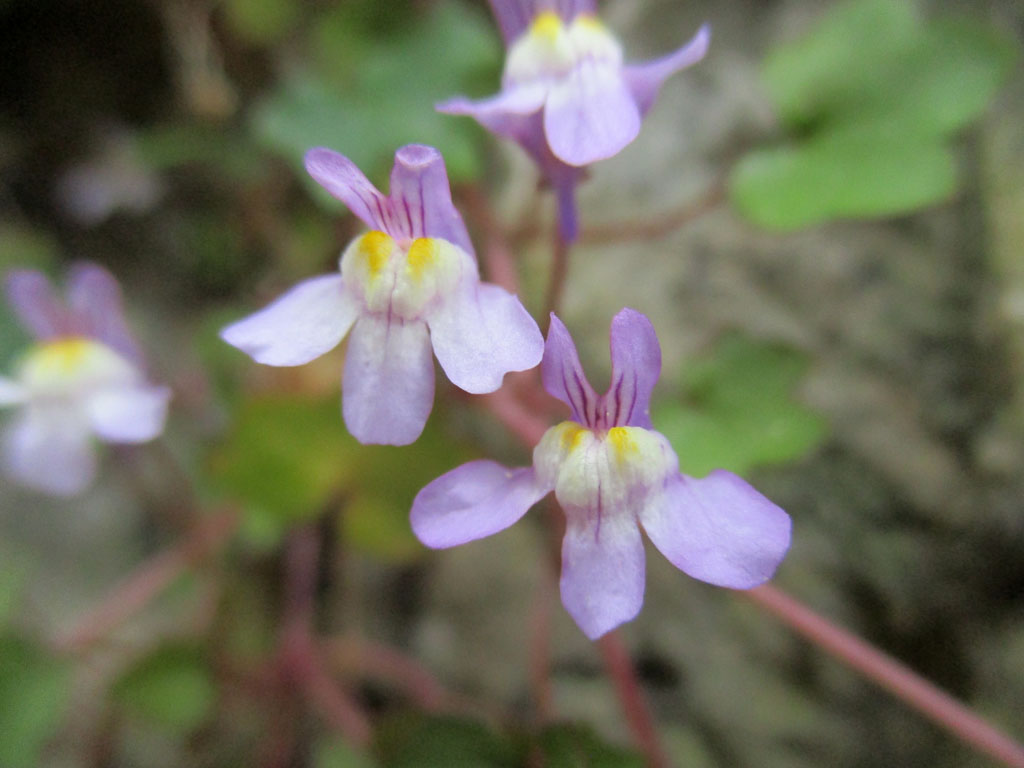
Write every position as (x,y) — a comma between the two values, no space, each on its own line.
(634,706)
(559,275)
(899,680)
(152,578)
(659,227)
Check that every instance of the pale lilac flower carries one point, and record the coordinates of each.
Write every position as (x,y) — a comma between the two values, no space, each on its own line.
(409,284)
(82,379)
(566,95)
(612,474)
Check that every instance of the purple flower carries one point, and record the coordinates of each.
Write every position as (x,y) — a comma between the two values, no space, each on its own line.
(83,378)
(409,284)
(566,95)
(612,473)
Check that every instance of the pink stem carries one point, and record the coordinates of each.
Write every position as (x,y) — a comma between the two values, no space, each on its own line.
(139,589)
(300,657)
(634,705)
(899,680)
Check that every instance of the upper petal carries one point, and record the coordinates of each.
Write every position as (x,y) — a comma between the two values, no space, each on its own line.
(645,80)
(591,115)
(563,375)
(128,414)
(50,452)
(340,176)
(94,300)
(602,580)
(473,501)
(388,384)
(35,305)
(636,365)
(481,333)
(421,196)
(299,326)
(521,99)
(718,529)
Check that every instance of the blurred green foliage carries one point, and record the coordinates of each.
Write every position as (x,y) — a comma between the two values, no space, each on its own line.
(575,746)
(288,456)
(738,411)
(366,94)
(171,687)
(34,690)
(414,740)
(869,99)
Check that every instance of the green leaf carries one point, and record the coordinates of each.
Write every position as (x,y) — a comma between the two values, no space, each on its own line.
(572,746)
(261,21)
(848,55)
(861,172)
(171,687)
(34,689)
(738,412)
(287,456)
(418,741)
(284,458)
(335,753)
(871,96)
(370,98)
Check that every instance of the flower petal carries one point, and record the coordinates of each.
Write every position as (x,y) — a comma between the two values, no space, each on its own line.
(602,580)
(50,452)
(591,115)
(11,392)
(94,301)
(422,198)
(522,99)
(515,16)
(645,80)
(340,176)
(35,305)
(563,375)
(128,414)
(718,529)
(388,384)
(473,501)
(299,326)
(480,334)
(636,365)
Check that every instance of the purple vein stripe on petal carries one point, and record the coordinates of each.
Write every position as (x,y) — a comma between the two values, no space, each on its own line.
(388,382)
(602,580)
(340,176)
(473,501)
(636,365)
(422,198)
(563,375)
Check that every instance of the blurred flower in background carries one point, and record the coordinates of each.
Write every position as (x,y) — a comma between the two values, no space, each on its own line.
(82,379)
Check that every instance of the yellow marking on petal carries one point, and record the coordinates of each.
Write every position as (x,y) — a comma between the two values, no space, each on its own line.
(61,357)
(375,248)
(572,435)
(547,26)
(622,443)
(422,256)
